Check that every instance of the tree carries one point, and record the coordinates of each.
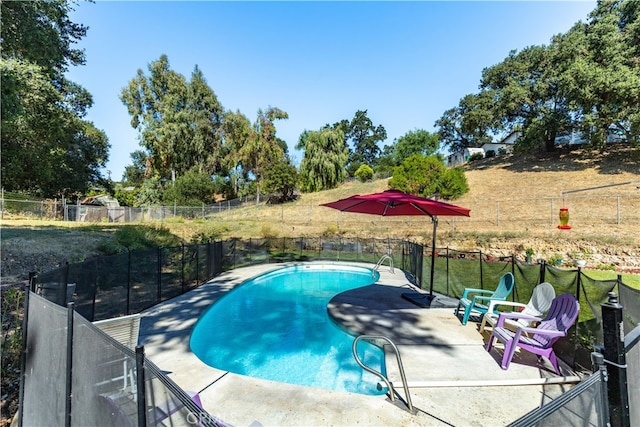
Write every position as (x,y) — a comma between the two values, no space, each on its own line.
(263,147)
(528,95)
(325,157)
(281,180)
(179,121)
(417,141)
(427,176)
(236,131)
(47,148)
(362,138)
(604,73)
(193,188)
(468,124)
(135,173)
(40,33)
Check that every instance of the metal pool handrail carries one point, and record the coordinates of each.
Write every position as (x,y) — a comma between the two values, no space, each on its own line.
(380,375)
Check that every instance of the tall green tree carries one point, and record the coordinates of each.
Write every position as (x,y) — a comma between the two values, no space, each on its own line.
(47,147)
(135,173)
(468,124)
(281,180)
(604,75)
(528,95)
(324,161)
(362,137)
(417,141)
(179,121)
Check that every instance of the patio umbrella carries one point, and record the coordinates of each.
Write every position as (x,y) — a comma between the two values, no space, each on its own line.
(398,203)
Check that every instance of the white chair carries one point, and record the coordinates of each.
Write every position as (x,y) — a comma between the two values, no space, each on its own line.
(125,330)
(537,306)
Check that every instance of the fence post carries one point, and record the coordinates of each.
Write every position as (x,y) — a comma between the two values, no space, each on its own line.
(602,406)
(614,354)
(543,270)
(159,275)
(32,281)
(61,297)
(128,281)
(141,393)
(182,271)
(23,354)
(68,391)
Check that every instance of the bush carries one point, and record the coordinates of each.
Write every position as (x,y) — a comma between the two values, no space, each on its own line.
(490,153)
(364,173)
(139,237)
(191,189)
(476,156)
(426,176)
(210,234)
(454,184)
(267,232)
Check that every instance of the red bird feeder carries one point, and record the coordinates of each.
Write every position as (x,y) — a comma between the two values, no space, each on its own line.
(564,219)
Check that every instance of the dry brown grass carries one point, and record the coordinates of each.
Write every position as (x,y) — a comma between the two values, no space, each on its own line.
(514,202)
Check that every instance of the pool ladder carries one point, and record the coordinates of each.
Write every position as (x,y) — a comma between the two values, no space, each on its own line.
(384,257)
(392,396)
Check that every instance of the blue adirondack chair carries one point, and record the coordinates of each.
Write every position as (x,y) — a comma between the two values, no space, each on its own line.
(481,298)
(562,315)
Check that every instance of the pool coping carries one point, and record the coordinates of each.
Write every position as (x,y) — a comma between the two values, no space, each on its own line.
(425,337)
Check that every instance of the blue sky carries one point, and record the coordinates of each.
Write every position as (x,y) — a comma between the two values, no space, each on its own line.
(404,62)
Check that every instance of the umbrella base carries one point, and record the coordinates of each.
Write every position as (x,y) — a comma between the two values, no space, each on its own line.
(421,300)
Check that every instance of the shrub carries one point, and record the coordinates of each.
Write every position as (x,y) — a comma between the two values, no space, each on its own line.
(330,231)
(191,189)
(476,156)
(454,184)
(138,237)
(267,232)
(426,176)
(209,234)
(364,173)
(490,153)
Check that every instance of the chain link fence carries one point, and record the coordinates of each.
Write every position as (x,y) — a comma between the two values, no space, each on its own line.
(502,214)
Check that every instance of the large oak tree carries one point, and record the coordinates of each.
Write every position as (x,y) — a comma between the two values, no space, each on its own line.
(48,149)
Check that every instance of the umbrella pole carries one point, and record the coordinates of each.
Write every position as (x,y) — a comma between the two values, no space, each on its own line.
(433,254)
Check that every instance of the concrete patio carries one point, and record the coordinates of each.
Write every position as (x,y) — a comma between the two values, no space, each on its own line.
(461,383)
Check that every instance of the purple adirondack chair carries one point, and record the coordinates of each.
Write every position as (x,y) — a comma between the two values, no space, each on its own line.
(562,315)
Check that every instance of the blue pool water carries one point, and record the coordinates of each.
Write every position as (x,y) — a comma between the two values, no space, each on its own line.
(276,327)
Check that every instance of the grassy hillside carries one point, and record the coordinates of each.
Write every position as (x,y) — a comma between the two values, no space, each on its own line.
(514,203)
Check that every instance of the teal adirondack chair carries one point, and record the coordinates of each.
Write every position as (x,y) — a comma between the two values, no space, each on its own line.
(481,298)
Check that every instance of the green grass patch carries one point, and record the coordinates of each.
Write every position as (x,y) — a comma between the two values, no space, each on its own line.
(632,280)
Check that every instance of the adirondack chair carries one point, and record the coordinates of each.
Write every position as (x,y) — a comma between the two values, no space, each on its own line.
(537,306)
(562,315)
(482,297)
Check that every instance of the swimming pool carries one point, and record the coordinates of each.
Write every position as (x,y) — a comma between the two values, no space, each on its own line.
(276,327)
